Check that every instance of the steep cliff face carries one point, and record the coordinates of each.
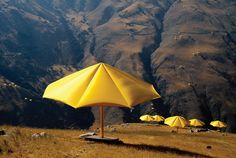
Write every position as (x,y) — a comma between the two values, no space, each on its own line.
(186,48)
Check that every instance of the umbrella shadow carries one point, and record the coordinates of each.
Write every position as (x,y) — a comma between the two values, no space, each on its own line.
(164,149)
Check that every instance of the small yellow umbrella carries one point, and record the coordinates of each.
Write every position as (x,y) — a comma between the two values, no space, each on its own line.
(100,85)
(176,121)
(196,123)
(158,118)
(146,118)
(218,124)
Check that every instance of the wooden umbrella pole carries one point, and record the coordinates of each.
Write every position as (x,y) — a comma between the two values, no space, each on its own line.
(101,122)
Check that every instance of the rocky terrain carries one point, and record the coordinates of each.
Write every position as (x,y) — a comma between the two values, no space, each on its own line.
(185,48)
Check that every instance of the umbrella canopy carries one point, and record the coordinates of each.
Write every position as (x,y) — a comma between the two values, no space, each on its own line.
(100,85)
(196,123)
(158,118)
(218,124)
(146,118)
(176,121)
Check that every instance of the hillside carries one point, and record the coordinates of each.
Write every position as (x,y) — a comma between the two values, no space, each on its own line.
(185,48)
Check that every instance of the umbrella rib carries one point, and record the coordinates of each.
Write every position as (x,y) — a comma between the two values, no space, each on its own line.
(116,85)
(81,98)
(170,121)
(62,87)
(175,121)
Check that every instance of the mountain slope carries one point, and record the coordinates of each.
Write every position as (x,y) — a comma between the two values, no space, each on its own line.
(195,63)
(185,48)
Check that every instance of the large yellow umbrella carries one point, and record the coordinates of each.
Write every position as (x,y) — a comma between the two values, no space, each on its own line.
(158,118)
(218,124)
(196,123)
(100,85)
(146,118)
(176,121)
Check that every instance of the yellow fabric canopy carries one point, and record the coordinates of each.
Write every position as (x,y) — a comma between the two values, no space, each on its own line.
(146,118)
(218,124)
(100,84)
(196,123)
(176,121)
(158,118)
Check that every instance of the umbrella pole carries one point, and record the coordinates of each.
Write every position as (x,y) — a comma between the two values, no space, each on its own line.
(101,122)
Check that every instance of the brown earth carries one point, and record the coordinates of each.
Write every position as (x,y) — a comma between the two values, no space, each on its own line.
(139,140)
(185,48)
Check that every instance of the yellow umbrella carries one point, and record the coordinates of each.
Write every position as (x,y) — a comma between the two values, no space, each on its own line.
(196,123)
(218,124)
(146,118)
(176,121)
(158,118)
(100,85)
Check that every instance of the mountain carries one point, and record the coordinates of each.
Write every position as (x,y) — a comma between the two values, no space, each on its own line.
(185,48)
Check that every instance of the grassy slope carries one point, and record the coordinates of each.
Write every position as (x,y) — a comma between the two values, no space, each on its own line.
(140,141)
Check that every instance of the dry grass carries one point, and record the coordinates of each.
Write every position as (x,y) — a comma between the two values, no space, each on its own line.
(139,141)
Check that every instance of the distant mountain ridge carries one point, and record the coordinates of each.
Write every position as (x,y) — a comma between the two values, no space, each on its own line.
(187,49)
